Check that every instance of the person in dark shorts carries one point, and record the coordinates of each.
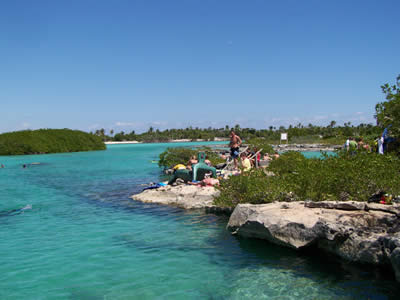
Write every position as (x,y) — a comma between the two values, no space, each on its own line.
(234,144)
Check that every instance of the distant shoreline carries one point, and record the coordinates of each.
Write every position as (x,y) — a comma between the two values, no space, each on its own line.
(169,141)
(124,142)
(313,147)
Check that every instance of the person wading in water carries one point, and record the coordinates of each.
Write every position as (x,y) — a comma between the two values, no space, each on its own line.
(234,145)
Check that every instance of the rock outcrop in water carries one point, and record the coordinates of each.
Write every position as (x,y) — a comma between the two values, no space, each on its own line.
(355,231)
(183,196)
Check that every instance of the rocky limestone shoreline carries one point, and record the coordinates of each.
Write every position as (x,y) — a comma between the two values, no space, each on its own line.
(306,147)
(184,196)
(358,232)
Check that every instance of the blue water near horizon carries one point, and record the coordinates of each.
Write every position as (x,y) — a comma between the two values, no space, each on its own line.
(84,238)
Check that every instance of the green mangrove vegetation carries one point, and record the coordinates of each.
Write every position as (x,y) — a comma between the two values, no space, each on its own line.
(260,144)
(292,177)
(48,141)
(181,155)
(299,133)
(348,175)
(388,112)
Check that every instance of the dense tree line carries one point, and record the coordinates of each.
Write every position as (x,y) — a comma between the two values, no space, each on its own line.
(387,115)
(48,141)
(297,133)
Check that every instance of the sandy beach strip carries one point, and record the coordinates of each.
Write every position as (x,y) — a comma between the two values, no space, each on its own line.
(124,142)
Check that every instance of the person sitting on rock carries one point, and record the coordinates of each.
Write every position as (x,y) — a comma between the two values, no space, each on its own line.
(245,162)
(192,161)
(267,157)
(207,161)
(254,157)
(206,182)
(179,167)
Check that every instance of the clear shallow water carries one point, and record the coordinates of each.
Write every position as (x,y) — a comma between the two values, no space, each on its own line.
(85,239)
(316,154)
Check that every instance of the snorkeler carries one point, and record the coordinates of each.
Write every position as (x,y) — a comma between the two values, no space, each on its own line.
(14,212)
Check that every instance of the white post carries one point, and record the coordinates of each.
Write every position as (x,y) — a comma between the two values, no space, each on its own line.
(284,136)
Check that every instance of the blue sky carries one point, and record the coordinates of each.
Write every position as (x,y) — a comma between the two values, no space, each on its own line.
(128,65)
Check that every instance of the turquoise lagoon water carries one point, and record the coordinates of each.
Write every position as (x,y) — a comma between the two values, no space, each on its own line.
(84,238)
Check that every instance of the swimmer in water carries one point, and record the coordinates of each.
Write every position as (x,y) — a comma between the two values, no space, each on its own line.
(14,212)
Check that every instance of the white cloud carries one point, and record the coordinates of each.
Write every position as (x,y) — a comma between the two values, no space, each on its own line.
(22,126)
(126,124)
(159,123)
(25,125)
(94,126)
(317,118)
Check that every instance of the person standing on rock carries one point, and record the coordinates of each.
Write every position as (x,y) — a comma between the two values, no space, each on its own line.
(234,144)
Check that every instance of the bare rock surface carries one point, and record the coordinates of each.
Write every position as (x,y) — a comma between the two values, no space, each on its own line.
(355,231)
(305,147)
(184,196)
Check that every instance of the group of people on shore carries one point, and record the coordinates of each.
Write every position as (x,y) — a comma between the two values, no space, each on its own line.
(245,157)
(192,161)
(249,158)
(354,144)
(379,145)
(246,160)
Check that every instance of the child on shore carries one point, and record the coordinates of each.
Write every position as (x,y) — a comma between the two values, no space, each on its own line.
(245,162)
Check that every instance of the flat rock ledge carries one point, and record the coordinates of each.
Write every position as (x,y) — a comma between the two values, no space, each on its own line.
(356,231)
(306,147)
(184,196)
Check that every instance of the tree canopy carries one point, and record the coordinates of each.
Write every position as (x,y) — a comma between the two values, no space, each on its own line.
(388,112)
(48,141)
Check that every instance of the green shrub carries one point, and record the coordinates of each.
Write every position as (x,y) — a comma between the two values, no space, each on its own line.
(181,155)
(48,141)
(260,143)
(174,156)
(212,156)
(343,177)
(288,162)
(255,187)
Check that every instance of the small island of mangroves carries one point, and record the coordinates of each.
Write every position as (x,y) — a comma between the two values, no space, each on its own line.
(44,141)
